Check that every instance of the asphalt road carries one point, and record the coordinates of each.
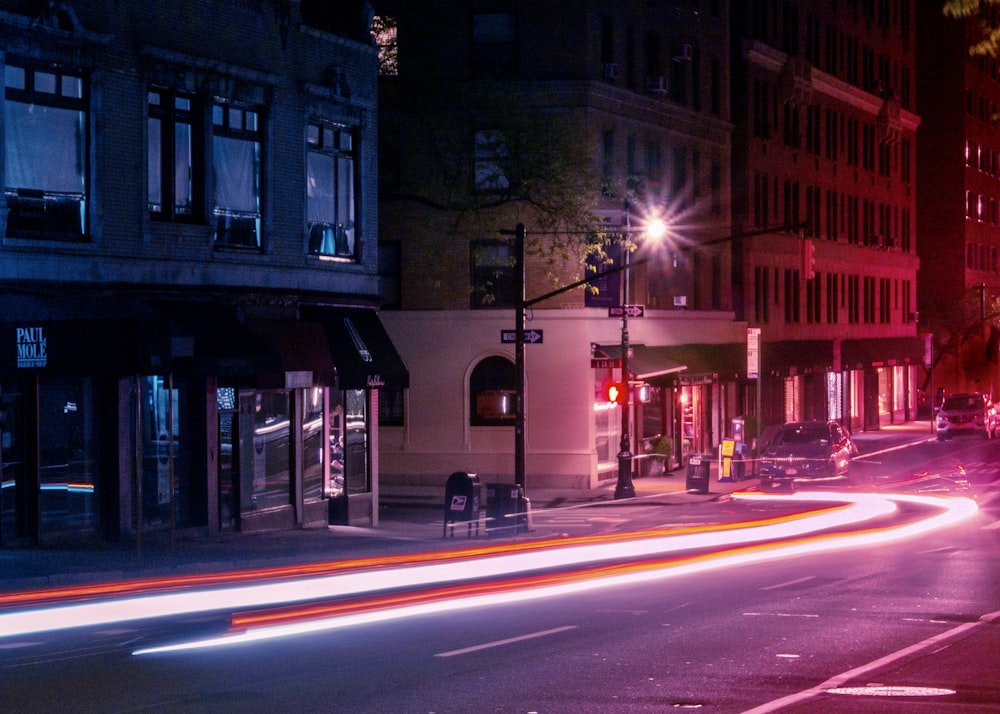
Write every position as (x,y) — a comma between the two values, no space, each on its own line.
(893,627)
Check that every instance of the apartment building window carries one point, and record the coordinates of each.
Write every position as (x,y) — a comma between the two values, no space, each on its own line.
(174,177)
(494,279)
(792,209)
(761,291)
(853,299)
(832,302)
(831,135)
(869,300)
(813,130)
(851,141)
(760,199)
(814,293)
(608,161)
(905,161)
(761,125)
(330,190)
(793,313)
(792,132)
(716,188)
(491,154)
(885,301)
(45,152)
(813,202)
(236,159)
(493,393)
(494,43)
(868,147)
(831,215)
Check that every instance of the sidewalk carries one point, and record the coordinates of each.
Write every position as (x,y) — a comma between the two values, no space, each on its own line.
(407,524)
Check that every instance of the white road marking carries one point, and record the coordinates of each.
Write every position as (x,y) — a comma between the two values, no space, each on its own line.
(992,526)
(838,680)
(500,643)
(789,582)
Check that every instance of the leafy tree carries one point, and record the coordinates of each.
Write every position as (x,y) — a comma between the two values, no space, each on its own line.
(989,25)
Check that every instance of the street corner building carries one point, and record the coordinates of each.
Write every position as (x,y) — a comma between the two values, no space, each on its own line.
(189,332)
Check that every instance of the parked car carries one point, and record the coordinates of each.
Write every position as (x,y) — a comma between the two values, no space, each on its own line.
(807,451)
(971,413)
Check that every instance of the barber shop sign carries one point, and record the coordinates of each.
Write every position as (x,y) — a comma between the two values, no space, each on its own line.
(31,347)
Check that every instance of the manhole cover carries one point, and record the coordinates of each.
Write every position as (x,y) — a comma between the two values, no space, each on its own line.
(885,690)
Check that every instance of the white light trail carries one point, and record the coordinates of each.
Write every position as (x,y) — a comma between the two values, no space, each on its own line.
(953,511)
(861,507)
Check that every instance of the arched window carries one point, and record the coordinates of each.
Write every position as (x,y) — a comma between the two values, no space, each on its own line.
(493,393)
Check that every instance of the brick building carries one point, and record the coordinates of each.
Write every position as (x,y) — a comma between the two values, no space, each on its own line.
(958,228)
(189,267)
(824,195)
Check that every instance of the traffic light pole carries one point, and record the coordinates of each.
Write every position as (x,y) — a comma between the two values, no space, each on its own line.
(519,307)
(625,488)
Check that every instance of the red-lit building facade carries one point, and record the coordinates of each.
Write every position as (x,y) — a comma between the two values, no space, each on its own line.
(824,161)
(958,190)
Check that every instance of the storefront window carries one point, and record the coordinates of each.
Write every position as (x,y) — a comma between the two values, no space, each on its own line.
(312,443)
(165,479)
(11,461)
(267,483)
(68,459)
(356,442)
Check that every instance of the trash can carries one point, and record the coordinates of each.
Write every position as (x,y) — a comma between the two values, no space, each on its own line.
(461,503)
(506,508)
(697,473)
(336,510)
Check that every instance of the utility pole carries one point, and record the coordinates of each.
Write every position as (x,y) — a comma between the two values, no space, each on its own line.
(519,448)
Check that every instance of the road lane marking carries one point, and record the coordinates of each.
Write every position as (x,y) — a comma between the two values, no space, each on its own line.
(840,679)
(992,526)
(789,583)
(508,641)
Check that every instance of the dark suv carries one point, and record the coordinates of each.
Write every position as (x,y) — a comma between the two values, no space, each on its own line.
(971,413)
(807,451)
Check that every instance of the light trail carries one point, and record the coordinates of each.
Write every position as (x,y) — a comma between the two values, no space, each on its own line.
(293,586)
(256,627)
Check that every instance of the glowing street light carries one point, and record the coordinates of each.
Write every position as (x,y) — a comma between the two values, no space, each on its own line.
(654,229)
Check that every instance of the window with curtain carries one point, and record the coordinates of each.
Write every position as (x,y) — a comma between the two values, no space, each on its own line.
(45,150)
(236,160)
(493,393)
(330,191)
(174,177)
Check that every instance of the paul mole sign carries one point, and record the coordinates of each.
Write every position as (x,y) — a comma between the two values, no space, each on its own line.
(31,347)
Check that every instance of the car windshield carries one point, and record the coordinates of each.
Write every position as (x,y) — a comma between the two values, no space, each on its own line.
(961,402)
(802,435)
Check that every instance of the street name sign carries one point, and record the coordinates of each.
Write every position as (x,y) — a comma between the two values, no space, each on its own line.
(530,336)
(627,311)
(605,363)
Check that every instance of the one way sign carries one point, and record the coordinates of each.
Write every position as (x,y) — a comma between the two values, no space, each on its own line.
(530,336)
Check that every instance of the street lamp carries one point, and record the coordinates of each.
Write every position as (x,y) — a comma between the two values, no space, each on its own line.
(654,229)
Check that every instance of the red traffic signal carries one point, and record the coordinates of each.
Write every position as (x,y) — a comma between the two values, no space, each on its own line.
(614,392)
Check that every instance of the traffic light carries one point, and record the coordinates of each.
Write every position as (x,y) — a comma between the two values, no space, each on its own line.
(614,392)
(808,259)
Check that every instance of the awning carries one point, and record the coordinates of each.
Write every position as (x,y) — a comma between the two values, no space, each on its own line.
(796,356)
(727,360)
(303,349)
(78,336)
(648,364)
(883,351)
(362,351)
(209,339)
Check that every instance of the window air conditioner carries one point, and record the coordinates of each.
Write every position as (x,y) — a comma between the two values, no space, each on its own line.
(611,70)
(687,53)
(656,85)
(680,301)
